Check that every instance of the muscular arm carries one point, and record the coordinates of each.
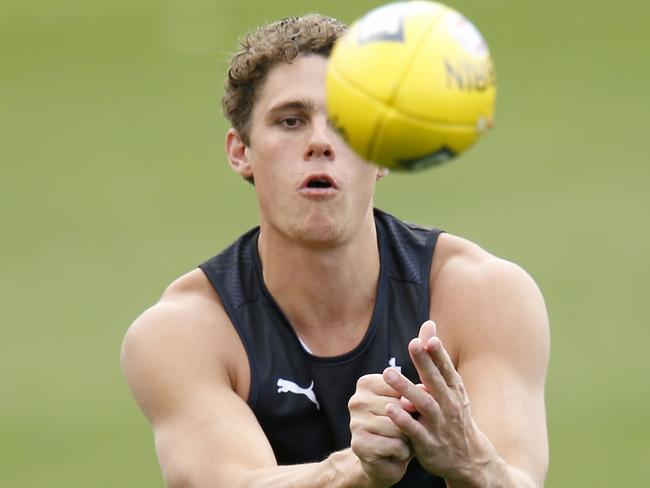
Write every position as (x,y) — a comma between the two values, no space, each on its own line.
(482,423)
(177,361)
(503,365)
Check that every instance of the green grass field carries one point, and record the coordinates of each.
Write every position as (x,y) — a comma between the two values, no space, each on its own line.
(113,182)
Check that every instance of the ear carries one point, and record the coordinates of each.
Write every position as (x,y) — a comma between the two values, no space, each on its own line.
(381,173)
(237,153)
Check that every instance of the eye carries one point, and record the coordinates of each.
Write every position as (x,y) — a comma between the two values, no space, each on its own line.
(290,122)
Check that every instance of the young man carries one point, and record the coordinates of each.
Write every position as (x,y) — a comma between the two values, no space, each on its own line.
(303,355)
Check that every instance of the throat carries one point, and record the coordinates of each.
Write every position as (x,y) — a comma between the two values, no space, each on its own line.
(327,340)
(327,294)
(329,321)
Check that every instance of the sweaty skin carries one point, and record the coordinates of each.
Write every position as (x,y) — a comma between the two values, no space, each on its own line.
(481,415)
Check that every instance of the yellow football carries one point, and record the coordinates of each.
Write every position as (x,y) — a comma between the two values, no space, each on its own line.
(411,85)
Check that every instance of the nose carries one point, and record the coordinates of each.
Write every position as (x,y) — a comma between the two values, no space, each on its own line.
(320,145)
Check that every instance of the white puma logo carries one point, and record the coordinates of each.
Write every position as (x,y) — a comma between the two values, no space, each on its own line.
(393,364)
(286,386)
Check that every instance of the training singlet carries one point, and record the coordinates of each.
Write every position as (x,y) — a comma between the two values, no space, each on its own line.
(299,399)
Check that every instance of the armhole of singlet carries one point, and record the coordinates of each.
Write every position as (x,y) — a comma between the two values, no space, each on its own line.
(231,312)
(429,250)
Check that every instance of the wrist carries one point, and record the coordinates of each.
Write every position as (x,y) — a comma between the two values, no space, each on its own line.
(486,473)
(484,469)
(347,471)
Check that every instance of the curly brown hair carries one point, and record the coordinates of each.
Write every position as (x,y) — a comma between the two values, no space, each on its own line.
(261,49)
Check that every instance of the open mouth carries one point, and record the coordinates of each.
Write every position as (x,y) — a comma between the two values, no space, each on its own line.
(319,183)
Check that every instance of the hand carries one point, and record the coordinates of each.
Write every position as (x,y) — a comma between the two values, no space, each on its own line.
(379,444)
(444,437)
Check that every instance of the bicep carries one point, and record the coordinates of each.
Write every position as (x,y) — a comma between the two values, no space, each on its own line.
(503,364)
(510,412)
(205,434)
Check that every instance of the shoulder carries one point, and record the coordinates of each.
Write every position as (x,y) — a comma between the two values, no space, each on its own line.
(461,263)
(487,304)
(186,334)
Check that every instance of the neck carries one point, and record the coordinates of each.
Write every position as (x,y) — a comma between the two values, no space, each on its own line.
(326,292)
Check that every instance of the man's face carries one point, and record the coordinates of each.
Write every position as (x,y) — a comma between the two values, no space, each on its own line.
(310,185)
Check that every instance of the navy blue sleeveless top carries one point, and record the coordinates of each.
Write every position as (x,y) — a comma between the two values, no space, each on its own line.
(299,399)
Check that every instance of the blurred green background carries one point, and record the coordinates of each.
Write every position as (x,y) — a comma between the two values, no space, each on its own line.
(113,182)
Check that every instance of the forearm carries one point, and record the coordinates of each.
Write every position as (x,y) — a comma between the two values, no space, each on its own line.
(496,473)
(341,469)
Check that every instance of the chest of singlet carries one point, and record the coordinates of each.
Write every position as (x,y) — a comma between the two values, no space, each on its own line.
(299,399)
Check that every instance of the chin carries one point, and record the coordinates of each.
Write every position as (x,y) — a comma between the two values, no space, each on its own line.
(319,231)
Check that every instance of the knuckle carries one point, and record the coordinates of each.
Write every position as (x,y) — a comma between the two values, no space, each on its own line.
(460,395)
(463,400)
(453,406)
(355,446)
(364,382)
(360,445)
(356,402)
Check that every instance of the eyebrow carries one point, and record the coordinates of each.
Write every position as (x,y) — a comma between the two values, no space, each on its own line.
(302,105)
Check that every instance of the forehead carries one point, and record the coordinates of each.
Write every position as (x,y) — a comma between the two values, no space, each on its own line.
(303,78)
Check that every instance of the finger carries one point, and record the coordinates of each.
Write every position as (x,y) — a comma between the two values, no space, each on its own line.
(371,447)
(423,402)
(406,404)
(375,383)
(368,402)
(377,424)
(427,331)
(413,429)
(427,370)
(443,362)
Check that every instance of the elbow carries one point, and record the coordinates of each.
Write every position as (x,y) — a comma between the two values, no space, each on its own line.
(179,477)
(178,469)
